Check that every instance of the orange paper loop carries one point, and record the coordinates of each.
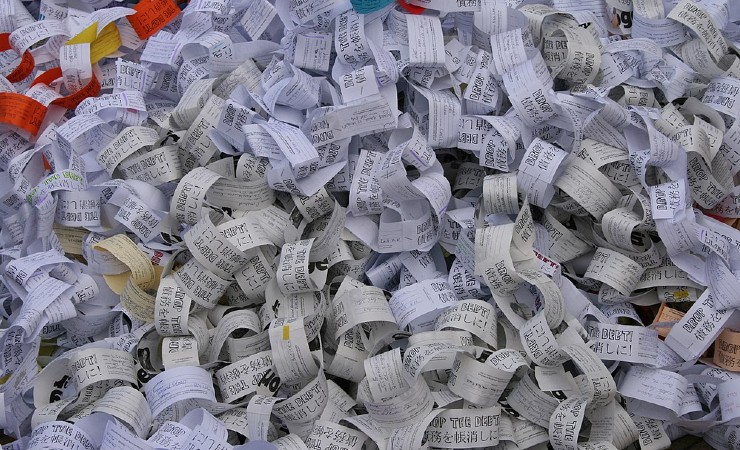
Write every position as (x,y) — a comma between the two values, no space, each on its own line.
(21,111)
(152,15)
(25,68)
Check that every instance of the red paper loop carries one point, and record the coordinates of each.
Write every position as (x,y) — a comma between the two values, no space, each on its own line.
(47,77)
(413,9)
(71,101)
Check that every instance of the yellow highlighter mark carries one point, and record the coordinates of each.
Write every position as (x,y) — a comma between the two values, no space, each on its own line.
(681,295)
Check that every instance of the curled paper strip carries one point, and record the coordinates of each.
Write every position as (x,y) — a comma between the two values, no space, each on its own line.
(369,224)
